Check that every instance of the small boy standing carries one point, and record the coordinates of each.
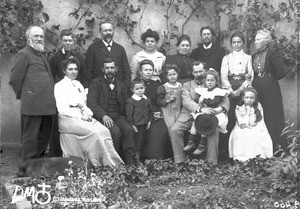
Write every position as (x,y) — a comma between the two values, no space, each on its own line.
(139,113)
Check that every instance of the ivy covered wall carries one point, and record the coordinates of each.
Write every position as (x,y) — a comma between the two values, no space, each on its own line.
(170,18)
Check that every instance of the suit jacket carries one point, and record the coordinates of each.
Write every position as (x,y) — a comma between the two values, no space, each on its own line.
(33,83)
(190,101)
(212,57)
(97,97)
(96,54)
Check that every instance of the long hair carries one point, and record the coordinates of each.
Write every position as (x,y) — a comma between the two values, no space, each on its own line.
(255,104)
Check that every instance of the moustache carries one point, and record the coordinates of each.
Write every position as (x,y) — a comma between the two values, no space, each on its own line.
(39,42)
(110,74)
(108,36)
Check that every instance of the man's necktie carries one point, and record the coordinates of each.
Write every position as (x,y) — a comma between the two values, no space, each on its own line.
(109,47)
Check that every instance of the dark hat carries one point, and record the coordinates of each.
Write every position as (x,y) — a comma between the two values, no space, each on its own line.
(206,124)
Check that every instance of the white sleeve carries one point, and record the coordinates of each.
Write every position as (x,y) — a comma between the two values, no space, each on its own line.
(61,94)
(224,73)
(134,66)
(83,98)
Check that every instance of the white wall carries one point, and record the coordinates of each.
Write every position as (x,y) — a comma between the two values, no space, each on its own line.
(153,18)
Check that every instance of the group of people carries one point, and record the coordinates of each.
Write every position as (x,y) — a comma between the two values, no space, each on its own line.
(158,107)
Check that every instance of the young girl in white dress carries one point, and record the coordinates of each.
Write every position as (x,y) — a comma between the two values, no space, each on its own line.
(211,95)
(250,137)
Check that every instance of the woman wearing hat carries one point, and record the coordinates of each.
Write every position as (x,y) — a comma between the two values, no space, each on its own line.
(150,39)
(268,68)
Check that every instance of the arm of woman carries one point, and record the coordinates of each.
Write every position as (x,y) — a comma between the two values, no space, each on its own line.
(61,94)
(161,99)
(250,71)
(277,63)
(224,73)
(134,66)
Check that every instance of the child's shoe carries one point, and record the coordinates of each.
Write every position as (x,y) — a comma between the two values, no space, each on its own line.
(199,150)
(190,145)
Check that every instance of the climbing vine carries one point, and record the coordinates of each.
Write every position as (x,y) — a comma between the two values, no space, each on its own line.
(15,17)
(249,16)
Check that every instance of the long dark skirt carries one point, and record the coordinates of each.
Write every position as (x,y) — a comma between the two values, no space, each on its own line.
(156,142)
(269,95)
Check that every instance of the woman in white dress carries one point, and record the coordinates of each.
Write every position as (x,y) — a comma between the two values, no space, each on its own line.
(150,39)
(250,137)
(80,134)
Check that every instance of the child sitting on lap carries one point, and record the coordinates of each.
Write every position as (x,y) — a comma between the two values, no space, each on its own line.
(211,96)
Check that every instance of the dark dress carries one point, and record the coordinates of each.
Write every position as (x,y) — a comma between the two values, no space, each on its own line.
(157,144)
(185,63)
(267,72)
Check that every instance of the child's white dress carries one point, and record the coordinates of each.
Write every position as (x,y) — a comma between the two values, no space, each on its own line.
(252,141)
(212,98)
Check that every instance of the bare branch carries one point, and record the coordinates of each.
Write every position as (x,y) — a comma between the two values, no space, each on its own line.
(142,15)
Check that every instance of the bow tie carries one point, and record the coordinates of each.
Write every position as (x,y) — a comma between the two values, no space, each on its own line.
(108,47)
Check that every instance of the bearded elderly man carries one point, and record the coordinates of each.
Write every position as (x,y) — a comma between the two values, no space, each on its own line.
(33,85)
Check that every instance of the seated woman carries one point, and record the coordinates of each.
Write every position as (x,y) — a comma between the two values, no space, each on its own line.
(150,39)
(80,134)
(157,144)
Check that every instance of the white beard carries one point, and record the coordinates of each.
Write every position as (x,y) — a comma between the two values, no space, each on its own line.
(37,46)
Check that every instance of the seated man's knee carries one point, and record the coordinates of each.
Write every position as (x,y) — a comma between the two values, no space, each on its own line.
(128,130)
(115,132)
(174,131)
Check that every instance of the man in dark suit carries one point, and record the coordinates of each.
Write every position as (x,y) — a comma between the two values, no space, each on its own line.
(209,52)
(107,98)
(33,84)
(106,47)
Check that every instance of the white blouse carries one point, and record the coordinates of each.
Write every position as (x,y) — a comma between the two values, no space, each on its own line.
(236,63)
(70,96)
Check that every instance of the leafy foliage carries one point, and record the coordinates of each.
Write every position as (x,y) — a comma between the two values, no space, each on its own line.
(163,184)
(16,16)
(257,183)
